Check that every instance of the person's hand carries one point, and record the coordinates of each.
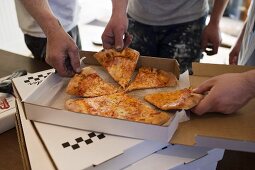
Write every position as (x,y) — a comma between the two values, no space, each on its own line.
(116,28)
(234,53)
(211,38)
(226,94)
(62,53)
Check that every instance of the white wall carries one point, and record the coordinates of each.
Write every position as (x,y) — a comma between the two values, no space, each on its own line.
(11,37)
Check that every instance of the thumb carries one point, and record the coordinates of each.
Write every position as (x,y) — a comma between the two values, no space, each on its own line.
(204,87)
(75,59)
(119,40)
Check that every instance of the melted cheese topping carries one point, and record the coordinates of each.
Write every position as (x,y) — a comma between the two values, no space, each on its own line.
(169,100)
(119,106)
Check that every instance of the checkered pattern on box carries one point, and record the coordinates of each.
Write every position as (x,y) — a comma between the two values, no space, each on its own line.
(36,79)
(91,137)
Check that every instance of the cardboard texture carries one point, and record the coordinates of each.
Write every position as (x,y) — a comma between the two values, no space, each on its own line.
(78,149)
(235,131)
(40,143)
(7,112)
(178,157)
(46,104)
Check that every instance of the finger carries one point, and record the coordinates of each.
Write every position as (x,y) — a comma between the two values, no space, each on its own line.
(127,40)
(60,66)
(108,41)
(205,105)
(204,87)
(75,59)
(235,60)
(204,43)
(215,47)
(119,40)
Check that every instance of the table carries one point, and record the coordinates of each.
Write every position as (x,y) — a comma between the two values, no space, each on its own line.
(10,157)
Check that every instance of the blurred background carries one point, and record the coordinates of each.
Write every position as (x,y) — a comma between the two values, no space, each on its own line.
(96,13)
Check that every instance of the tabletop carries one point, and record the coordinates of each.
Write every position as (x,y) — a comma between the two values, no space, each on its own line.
(10,157)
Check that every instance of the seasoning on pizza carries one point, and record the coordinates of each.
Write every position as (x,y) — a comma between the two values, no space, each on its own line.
(119,106)
(179,99)
(120,65)
(89,84)
(148,77)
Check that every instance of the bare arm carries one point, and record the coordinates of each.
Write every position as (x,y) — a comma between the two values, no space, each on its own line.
(234,53)
(42,13)
(117,27)
(211,34)
(226,93)
(60,45)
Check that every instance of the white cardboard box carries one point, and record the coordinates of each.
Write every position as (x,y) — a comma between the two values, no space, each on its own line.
(46,104)
(7,112)
(44,143)
(179,157)
(85,149)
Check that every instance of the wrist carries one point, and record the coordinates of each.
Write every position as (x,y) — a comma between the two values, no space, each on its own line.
(214,23)
(52,25)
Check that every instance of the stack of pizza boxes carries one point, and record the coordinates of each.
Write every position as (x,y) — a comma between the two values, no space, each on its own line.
(59,147)
(47,104)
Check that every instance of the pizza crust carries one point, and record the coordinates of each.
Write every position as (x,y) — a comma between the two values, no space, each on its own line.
(179,99)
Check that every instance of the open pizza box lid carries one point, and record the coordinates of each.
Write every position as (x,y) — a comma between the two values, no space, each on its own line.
(46,104)
(234,132)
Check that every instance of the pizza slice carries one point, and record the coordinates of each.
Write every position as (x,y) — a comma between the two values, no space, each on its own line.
(179,99)
(119,106)
(120,65)
(89,84)
(148,77)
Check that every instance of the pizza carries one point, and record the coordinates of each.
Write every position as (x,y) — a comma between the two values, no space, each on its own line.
(179,99)
(148,77)
(89,84)
(120,65)
(119,106)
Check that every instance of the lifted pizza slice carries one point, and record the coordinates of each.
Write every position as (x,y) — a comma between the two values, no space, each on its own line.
(179,99)
(120,65)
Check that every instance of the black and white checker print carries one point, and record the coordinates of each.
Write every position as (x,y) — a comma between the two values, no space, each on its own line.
(91,138)
(36,79)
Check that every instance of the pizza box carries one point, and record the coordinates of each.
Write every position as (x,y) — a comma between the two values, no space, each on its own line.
(46,104)
(7,112)
(180,157)
(48,143)
(233,132)
(59,147)
(44,142)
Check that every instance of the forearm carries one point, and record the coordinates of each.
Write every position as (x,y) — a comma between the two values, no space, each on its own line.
(119,7)
(41,12)
(240,37)
(217,11)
